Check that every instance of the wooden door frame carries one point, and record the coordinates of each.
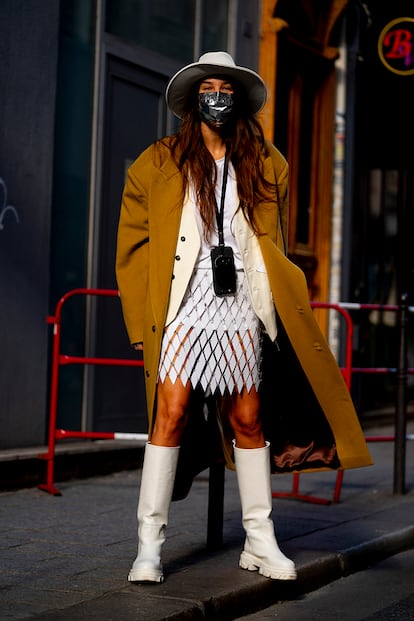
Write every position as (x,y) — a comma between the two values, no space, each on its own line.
(281,19)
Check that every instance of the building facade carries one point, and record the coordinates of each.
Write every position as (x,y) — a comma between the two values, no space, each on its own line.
(82,93)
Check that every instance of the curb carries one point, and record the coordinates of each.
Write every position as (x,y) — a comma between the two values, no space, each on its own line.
(318,573)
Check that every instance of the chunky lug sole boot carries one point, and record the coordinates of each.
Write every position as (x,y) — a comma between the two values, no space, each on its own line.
(261,552)
(157,482)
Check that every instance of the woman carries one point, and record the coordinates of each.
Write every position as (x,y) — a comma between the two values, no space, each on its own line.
(201,269)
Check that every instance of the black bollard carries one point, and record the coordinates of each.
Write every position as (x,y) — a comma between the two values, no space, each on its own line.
(215,506)
(401,400)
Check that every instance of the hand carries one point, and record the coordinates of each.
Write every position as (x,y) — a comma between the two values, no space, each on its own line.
(138,346)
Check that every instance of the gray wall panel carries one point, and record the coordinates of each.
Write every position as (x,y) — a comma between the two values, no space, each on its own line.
(28,63)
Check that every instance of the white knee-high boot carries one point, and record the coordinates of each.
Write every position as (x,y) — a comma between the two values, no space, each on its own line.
(157,482)
(261,551)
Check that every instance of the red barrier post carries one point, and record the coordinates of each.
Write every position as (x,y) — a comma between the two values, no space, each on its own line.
(50,455)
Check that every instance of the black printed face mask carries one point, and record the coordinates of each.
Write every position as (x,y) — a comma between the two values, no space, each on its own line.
(215,108)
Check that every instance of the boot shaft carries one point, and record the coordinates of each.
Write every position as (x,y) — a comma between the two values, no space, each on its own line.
(157,483)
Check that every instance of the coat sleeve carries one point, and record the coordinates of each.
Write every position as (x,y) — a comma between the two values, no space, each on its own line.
(132,247)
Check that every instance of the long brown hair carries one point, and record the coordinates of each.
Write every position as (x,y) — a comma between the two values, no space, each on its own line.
(245,148)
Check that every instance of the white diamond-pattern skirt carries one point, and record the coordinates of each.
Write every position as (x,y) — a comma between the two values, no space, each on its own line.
(213,341)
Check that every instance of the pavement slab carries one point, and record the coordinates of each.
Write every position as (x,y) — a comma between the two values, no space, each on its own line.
(68,556)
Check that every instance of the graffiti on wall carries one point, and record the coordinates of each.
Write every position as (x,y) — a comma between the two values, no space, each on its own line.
(4,207)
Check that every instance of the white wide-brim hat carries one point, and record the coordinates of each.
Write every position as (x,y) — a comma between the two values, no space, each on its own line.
(214,64)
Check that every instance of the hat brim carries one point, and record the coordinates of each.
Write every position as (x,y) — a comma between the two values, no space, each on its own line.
(180,84)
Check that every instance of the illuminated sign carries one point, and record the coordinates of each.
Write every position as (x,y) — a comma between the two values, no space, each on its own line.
(396,46)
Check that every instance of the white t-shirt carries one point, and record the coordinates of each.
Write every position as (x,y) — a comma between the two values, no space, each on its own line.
(231,204)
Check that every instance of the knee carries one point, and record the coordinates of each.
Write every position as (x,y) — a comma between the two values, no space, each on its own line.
(247,428)
(246,421)
(172,414)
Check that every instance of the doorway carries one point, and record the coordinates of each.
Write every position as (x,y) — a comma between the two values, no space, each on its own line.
(135,114)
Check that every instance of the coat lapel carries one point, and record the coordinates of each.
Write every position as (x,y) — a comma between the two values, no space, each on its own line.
(186,252)
(166,209)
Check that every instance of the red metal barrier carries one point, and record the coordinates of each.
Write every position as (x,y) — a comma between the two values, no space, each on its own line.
(347,371)
(59,359)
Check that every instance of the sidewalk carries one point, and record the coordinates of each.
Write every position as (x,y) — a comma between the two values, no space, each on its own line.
(68,557)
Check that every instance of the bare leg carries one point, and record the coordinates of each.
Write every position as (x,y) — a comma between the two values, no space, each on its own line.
(172,412)
(243,412)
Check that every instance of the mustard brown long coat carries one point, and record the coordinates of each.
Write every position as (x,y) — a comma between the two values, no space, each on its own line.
(308,414)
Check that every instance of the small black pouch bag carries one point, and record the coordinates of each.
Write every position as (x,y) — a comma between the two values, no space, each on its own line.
(224,271)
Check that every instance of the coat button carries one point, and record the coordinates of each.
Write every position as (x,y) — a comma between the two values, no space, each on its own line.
(147,373)
(172,277)
(300,309)
(177,257)
(153,328)
(182,238)
(317,346)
